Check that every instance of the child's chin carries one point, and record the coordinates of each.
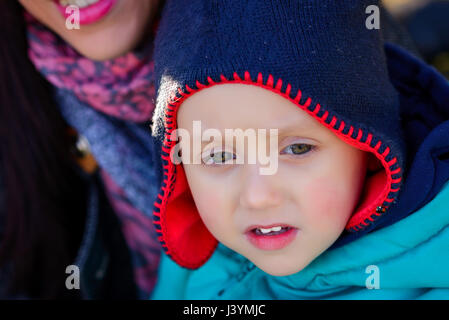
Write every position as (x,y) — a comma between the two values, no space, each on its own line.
(278,270)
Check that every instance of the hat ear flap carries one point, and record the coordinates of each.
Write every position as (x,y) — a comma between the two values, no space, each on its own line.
(190,241)
(373,164)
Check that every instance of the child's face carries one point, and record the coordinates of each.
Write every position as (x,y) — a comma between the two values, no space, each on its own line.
(311,196)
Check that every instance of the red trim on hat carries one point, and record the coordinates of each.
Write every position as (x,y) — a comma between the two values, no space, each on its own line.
(181,231)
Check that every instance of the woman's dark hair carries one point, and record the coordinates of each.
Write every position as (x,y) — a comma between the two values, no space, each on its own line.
(42,219)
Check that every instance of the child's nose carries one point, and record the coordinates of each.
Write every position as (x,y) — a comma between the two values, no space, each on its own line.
(259,191)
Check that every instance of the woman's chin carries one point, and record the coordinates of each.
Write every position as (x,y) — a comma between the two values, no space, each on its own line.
(100,50)
(115,33)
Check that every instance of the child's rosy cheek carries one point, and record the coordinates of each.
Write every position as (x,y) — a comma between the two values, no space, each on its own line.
(326,202)
(211,202)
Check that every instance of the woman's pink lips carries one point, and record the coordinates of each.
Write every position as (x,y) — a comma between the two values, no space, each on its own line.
(274,242)
(91,13)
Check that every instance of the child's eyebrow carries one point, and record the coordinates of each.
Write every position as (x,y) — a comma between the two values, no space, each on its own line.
(292,125)
(300,127)
(307,131)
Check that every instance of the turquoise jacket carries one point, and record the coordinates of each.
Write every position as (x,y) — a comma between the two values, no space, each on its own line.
(406,260)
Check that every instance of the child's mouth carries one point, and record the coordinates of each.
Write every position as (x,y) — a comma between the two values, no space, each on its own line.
(273,237)
(270,231)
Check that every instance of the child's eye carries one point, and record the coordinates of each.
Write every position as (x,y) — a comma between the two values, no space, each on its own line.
(297,149)
(218,158)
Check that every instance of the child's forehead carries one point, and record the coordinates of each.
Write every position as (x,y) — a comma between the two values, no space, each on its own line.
(241,105)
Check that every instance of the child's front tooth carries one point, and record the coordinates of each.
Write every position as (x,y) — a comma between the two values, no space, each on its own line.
(276,229)
(265,230)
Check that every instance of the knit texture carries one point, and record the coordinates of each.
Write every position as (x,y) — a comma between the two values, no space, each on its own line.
(319,55)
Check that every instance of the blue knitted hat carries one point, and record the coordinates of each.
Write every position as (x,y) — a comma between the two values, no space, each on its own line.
(317,54)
